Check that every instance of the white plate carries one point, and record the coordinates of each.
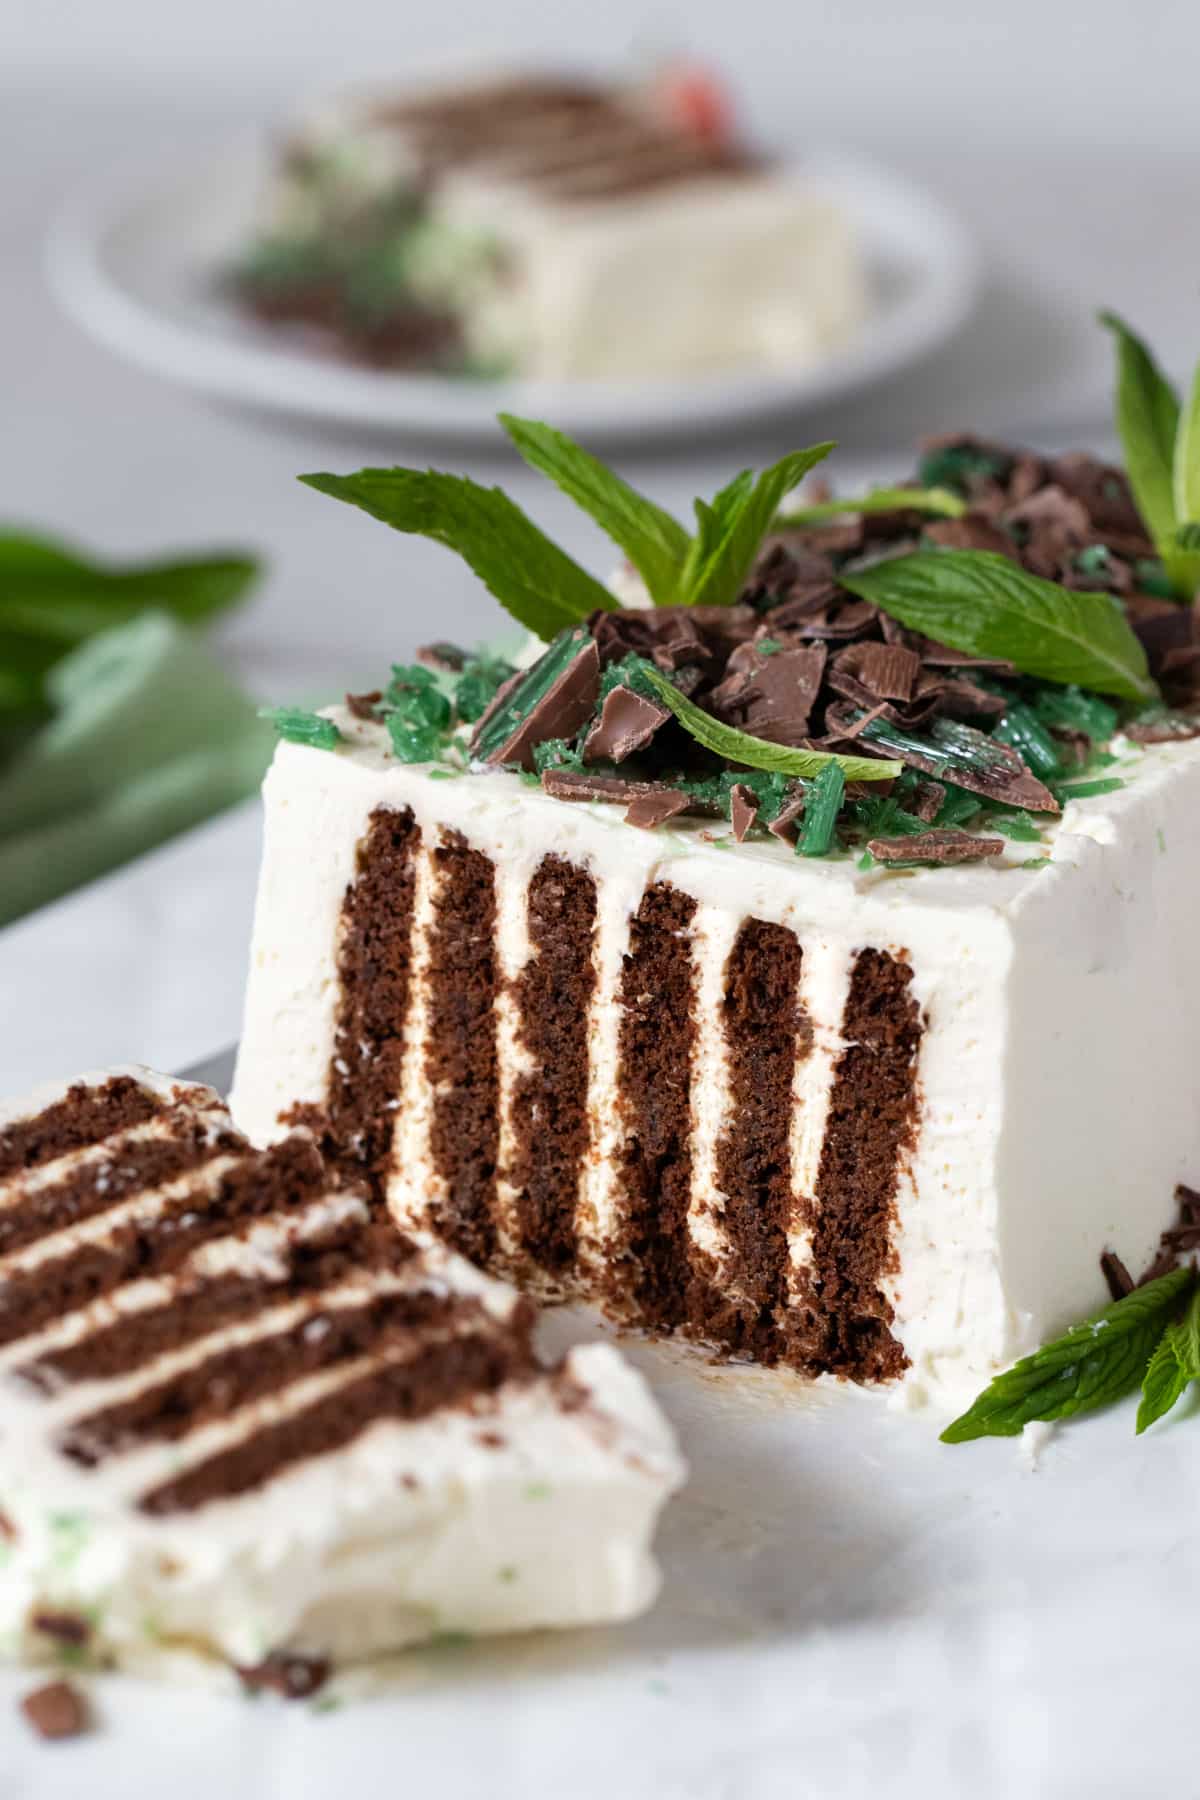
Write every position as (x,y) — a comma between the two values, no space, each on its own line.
(133,262)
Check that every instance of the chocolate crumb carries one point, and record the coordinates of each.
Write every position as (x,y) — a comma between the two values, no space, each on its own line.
(945,846)
(649,810)
(292,1677)
(57,1710)
(448,659)
(743,810)
(363,705)
(1120,1281)
(926,802)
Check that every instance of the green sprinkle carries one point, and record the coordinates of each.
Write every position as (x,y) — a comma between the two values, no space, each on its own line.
(866,860)
(297,726)
(556,753)
(1075,709)
(1152,577)
(1162,842)
(529,779)
(957,465)
(958,806)
(477,685)
(1036,862)
(767,646)
(1085,790)
(1024,732)
(1020,826)
(1094,560)
(413,744)
(450,1640)
(444,774)
(820,812)
(326,1703)
(414,696)
(538,1490)
(508,1573)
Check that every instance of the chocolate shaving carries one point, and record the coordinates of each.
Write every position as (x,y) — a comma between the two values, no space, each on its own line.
(926,801)
(944,846)
(774,699)
(449,659)
(743,810)
(783,825)
(571,784)
(971,532)
(363,705)
(292,1677)
(887,671)
(56,1710)
(649,810)
(1120,1281)
(566,705)
(627,723)
(1170,729)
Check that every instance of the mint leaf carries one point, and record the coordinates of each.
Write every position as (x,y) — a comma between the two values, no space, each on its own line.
(540,585)
(1095,1362)
(655,543)
(1147,418)
(937,500)
(756,753)
(1186,466)
(1173,1367)
(980,602)
(52,592)
(733,527)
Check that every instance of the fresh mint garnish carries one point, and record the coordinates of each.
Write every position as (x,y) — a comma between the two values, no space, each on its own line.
(937,500)
(1173,1367)
(1161,445)
(732,529)
(1095,1362)
(297,726)
(656,544)
(540,585)
(979,602)
(739,747)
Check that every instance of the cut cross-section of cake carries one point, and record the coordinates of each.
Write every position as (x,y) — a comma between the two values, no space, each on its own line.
(799,960)
(520,223)
(248,1422)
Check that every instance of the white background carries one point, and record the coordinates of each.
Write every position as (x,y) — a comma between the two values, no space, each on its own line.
(978,1642)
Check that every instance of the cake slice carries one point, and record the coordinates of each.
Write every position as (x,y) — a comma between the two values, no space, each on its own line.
(520,224)
(801,962)
(247,1422)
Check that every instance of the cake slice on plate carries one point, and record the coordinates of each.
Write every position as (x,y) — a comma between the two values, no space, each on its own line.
(247,1422)
(795,963)
(551,227)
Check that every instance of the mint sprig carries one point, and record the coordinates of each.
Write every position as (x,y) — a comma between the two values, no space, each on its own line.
(734,526)
(655,543)
(937,500)
(1161,446)
(756,753)
(1173,1367)
(540,585)
(980,602)
(1097,1361)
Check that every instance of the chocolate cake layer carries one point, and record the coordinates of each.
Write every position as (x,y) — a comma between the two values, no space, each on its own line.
(651,1263)
(81,1117)
(460,1045)
(549,1106)
(127,1169)
(443,1375)
(374,966)
(766,1033)
(872,1122)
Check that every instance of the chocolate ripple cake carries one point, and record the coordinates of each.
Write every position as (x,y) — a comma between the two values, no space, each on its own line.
(248,1423)
(545,226)
(791,958)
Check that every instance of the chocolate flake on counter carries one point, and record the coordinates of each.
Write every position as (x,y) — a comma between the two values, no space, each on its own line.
(290,1676)
(64,1627)
(649,810)
(627,723)
(57,1710)
(1120,1281)
(362,706)
(947,845)
(561,711)
(743,810)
